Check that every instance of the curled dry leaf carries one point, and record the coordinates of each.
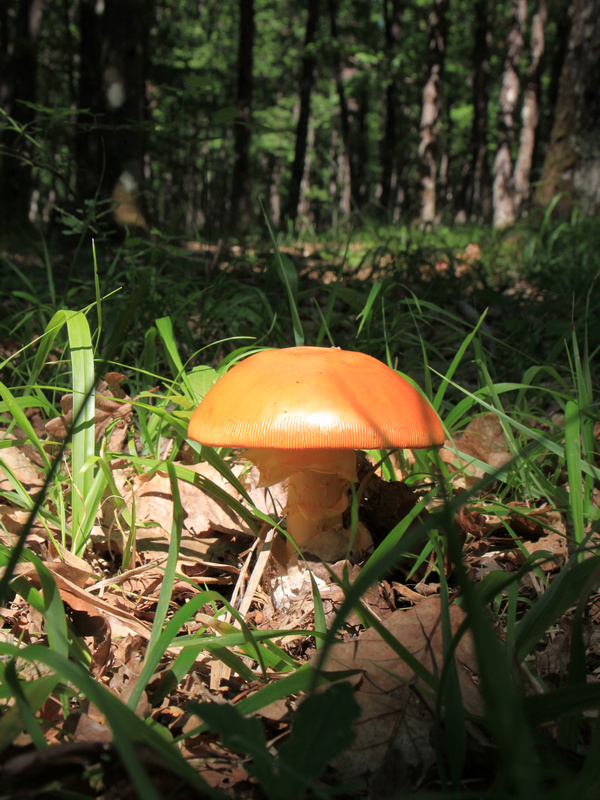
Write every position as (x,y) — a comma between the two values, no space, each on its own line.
(484,439)
(497,540)
(395,728)
(553,543)
(15,460)
(80,599)
(111,407)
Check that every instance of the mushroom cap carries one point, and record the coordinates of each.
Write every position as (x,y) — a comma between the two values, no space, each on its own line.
(314,397)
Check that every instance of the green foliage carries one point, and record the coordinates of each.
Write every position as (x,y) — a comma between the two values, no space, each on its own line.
(321,730)
(191,110)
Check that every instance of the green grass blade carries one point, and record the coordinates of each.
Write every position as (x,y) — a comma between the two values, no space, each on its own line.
(34,695)
(166,588)
(574,473)
(283,269)
(127,728)
(365,314)
(165,639)
(26,712)
(563,592)
(14,407)
(319,613)
(164,326)
(83,434)
(439,396)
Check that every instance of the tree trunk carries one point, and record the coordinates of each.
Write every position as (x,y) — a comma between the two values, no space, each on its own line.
(344,155)
(339,180)
(430,112)
(361,149)
(307,78)
(20,34)
(572,164)
(241,190)
(503,192)
(392,19)
(304,204)
(562,21)
(111,142)
(530,111)
(274,172)
(477,191)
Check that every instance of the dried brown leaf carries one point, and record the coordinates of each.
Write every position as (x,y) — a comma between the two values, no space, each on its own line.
(484,439)
(111,407)
(81,600)
(24,469)
(397,718)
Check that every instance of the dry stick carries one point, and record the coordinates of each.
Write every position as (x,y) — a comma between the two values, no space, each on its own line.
(261,562)
(219,671)
(241,578)
(117,579)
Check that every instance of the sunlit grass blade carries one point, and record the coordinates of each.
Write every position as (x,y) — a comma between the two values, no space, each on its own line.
(283,273)
(547,442)
(165,639)
(126,727)
(439,395)
(325,316)
(20,496)
(14,407)
(54,610)
(166,588)
(573,459)
(164,326)
(27,714)
(83,434)
(33,694)
(303,679)
(319,613)
(365,314)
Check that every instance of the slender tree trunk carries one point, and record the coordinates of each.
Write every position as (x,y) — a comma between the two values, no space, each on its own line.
(530,111)
(241,190)
(307,78)
(478,187)
(430,112)
(561,42)
(20,34)
(111,142)
(344,156)
(572,164)
(339,179)
(333,175)
(274,195)
(503,193)
(361,149)
(304,204)
(392,19)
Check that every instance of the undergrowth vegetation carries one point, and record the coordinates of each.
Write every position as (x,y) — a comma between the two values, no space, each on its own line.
(103,359)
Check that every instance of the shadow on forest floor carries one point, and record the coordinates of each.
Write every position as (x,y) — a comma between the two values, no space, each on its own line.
(417,301)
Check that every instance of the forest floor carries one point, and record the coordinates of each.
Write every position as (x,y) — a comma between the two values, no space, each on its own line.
(112,592)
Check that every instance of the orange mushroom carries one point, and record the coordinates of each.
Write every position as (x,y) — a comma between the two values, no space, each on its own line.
(301,412)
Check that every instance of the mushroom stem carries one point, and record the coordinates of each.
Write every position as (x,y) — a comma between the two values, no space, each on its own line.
(318,482)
